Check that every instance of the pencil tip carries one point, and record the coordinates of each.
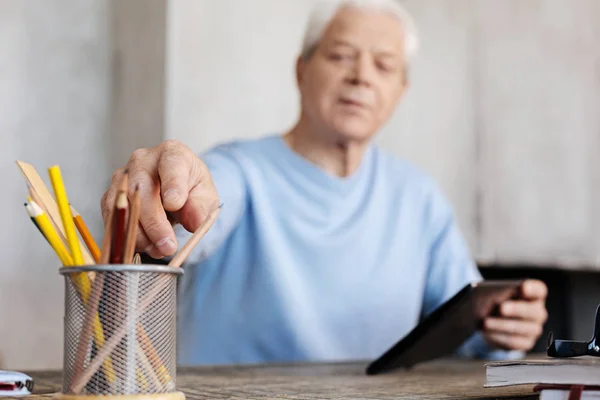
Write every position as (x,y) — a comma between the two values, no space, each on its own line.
(221,205)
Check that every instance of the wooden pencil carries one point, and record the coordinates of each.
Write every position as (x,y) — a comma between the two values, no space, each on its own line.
(137,259)
(132,227)
(155,360)
(81,281)
(86,235)
(27,208)
(65,214)
(48,204)
(79,382)
(119,229)
(36,197)
(92,305)
(47,230)
(118,226)
(187,248)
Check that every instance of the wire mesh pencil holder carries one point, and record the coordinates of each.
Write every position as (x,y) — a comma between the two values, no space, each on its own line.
(120,332)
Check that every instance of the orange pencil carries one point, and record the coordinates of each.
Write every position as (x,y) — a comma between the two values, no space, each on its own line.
(86,235)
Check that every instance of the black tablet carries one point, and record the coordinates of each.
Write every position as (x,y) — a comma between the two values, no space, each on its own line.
(448,326)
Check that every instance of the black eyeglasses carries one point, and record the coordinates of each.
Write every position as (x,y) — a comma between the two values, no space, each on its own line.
(571,348)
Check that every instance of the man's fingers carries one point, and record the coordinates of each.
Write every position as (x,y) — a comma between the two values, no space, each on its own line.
(533,289)
(512,327)
(144,244)
(174,168)
(529,310)
(202,200)
(153,219)
(510,342)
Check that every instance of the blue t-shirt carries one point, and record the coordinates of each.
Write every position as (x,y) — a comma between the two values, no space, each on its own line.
(305,266)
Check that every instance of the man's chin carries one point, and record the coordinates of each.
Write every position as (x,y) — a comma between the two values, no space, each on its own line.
(353,134)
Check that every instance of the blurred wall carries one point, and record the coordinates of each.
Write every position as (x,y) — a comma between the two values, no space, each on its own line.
(55,82)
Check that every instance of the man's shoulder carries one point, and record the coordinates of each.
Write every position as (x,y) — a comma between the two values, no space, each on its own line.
(243,146)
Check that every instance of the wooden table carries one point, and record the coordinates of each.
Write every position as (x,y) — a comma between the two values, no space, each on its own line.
(442,379)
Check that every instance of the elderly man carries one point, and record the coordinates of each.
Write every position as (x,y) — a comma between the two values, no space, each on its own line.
(327,247)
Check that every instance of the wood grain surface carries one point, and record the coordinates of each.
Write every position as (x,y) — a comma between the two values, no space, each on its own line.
(442,379)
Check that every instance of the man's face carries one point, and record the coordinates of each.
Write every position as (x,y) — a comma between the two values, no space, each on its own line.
(352,82)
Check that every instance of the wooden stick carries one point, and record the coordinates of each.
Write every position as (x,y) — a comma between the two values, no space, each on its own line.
(187,248)
(85,234)
(47,202)
(132,227)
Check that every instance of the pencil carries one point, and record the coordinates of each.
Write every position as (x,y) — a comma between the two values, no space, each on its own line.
(119,229)
(48,204)
(93,304)
(92,325)
(79,382)
(187,248)
(27,208)
(36,197)
(118,220)
(45,227)
(86,235)
(132,227)
(155,360)
(65,214)
(81,281)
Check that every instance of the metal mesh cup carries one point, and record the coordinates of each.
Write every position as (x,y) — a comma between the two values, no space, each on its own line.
(119,329)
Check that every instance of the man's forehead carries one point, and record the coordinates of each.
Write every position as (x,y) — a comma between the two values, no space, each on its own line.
(362,27)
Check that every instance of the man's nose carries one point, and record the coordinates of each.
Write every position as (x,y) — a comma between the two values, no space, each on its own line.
(361,73)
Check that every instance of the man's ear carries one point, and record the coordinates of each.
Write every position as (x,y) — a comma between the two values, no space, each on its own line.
(300,65)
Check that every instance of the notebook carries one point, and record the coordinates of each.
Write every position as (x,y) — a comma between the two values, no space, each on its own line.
(568,371)
(569,394)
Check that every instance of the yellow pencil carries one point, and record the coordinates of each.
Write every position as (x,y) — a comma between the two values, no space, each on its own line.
(65,214)
(49,233)
(81,281)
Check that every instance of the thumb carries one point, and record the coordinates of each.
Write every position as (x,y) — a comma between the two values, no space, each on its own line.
(533,289)
(201,201)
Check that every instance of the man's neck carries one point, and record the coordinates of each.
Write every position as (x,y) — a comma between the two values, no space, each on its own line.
(338,158)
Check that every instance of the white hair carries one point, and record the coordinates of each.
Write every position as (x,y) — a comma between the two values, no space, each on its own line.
(325,11)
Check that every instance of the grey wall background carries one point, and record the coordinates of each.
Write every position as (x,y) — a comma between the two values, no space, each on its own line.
(502,111)
(55,81)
